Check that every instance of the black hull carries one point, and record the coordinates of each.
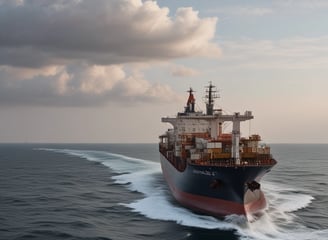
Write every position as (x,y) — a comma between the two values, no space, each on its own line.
(216,190)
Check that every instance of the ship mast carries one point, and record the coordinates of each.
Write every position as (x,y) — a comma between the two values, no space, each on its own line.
(210,96)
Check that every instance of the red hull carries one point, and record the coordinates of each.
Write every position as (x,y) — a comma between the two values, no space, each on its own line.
(208,205)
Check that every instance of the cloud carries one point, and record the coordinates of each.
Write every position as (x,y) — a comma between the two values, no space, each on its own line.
(305,4)
(292,53)
(39,33)
(77,52)
(243,11)
(182,71)
(78,86)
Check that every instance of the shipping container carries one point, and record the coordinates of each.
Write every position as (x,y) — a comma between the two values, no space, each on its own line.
(195,156)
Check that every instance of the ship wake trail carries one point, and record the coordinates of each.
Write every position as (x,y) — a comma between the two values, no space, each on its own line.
(279,220)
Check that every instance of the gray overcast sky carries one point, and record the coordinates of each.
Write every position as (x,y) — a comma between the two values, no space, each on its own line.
(108,70)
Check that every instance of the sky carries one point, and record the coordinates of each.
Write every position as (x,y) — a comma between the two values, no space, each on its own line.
(106,71)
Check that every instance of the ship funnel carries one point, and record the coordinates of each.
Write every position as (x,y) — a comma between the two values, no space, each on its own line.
(191,102)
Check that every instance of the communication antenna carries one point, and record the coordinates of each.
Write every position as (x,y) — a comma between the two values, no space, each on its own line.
(211,94)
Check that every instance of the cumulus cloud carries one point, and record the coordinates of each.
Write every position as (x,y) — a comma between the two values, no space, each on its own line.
(79,85)
(35,33)
(74,53)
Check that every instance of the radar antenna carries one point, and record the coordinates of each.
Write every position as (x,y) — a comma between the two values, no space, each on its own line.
(211,94)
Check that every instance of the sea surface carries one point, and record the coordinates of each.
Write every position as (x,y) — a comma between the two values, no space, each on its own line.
(117,191)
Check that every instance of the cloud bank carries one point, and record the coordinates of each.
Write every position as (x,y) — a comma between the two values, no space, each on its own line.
(71,52)
(43,32)
(78,86)
(293,53)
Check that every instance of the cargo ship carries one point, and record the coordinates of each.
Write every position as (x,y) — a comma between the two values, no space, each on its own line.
(212,171)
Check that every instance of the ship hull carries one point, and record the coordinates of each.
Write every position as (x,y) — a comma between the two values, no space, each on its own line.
(216,190)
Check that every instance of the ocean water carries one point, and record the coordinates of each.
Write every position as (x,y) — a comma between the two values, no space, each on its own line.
(116,191)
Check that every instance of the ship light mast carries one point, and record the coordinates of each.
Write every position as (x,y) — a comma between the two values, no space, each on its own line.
(210,96)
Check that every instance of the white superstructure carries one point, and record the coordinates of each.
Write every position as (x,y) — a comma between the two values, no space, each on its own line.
(206,126)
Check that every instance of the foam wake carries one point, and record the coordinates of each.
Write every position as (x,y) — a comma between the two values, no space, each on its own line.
(277,222)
